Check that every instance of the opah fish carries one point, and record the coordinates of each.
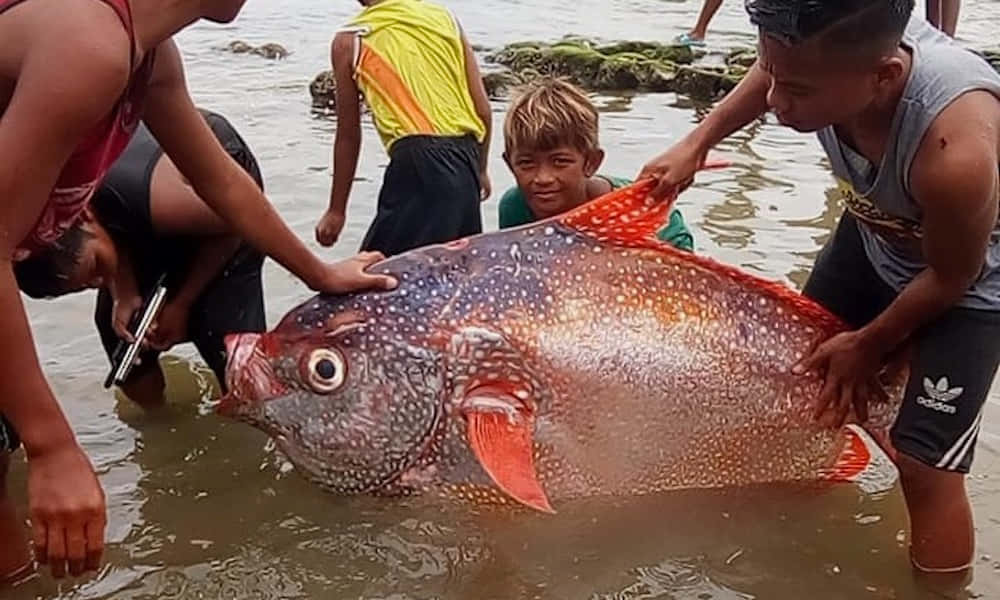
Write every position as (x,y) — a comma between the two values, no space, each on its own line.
(573,357)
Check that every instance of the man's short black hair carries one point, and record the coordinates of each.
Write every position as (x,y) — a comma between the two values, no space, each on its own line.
(868,25)
(47,272)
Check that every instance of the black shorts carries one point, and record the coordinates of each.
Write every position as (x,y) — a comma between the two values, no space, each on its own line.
(954,358)
(429,195)
(232,303)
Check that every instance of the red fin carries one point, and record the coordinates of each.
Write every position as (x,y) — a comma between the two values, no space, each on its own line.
(624,218)
(863,462)
(503,445)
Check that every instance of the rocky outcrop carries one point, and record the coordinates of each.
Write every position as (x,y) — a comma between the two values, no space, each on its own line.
(626,66)
(620,66)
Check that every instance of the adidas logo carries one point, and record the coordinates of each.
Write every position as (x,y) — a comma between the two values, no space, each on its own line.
(939,394)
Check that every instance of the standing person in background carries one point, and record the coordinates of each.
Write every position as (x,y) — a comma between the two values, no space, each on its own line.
(76,77)
(943,14)
(418,74)
(696,37)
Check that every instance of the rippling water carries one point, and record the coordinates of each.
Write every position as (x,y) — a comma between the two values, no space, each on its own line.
(203,508)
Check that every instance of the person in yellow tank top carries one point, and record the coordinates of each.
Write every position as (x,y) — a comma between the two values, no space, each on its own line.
(411,63)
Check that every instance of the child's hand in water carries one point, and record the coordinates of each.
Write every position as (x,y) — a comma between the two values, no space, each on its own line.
(329,227)
(350,276)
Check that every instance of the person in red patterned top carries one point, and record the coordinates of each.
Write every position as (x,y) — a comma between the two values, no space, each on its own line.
(76,77)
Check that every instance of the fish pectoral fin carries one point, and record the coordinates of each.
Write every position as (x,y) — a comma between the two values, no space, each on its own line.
(625,215)
(500,433)
(862,462)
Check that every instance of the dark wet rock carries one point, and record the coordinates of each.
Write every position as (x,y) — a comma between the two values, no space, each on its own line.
(705,82)
(323,90)
(271,51)
(239,47)
(992,57)
(500,83)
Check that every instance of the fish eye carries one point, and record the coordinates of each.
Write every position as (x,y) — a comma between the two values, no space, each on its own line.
(326,370)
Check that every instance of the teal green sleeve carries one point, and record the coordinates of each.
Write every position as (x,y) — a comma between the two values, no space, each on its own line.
(676,232)
(513,209)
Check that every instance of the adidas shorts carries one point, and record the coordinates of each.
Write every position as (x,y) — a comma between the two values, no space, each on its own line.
(954,359)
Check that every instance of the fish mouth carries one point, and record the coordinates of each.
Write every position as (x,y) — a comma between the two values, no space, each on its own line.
(250,379)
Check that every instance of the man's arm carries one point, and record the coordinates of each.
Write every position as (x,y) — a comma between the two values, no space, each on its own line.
(481,101)
(954,178)
(347,139)
(216,178)
(676,167)
(51,110)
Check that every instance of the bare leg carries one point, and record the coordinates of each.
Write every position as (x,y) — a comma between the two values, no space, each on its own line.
(15,556)
(146,388)
(934,12)
(940,518)
(949,16)
(708,10)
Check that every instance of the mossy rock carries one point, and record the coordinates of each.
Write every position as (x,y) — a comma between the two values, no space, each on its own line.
(576,40)
(575,62)
(742,59)
(499,83)
(632,71)
(704,83)
(518,57)
(671,53)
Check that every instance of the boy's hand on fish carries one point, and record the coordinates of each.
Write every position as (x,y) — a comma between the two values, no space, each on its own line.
(850,364)
(121,315)
(67,509)
(350,276)
(329,227)
(674,170)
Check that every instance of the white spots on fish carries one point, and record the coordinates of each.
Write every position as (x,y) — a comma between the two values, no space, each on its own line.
(549,230)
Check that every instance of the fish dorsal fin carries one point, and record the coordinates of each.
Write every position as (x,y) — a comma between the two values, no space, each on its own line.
(625,215)
(500,430)
(626,218)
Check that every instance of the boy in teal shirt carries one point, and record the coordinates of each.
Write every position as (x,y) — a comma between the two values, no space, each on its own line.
(551,147)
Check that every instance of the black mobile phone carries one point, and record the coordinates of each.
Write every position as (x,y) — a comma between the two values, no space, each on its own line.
(123,358)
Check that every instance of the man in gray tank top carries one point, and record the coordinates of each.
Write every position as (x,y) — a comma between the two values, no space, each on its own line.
(911,124)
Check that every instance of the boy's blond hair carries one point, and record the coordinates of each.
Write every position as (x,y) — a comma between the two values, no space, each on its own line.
(548,113)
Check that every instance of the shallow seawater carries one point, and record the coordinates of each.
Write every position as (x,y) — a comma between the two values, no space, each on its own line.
(201,507)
